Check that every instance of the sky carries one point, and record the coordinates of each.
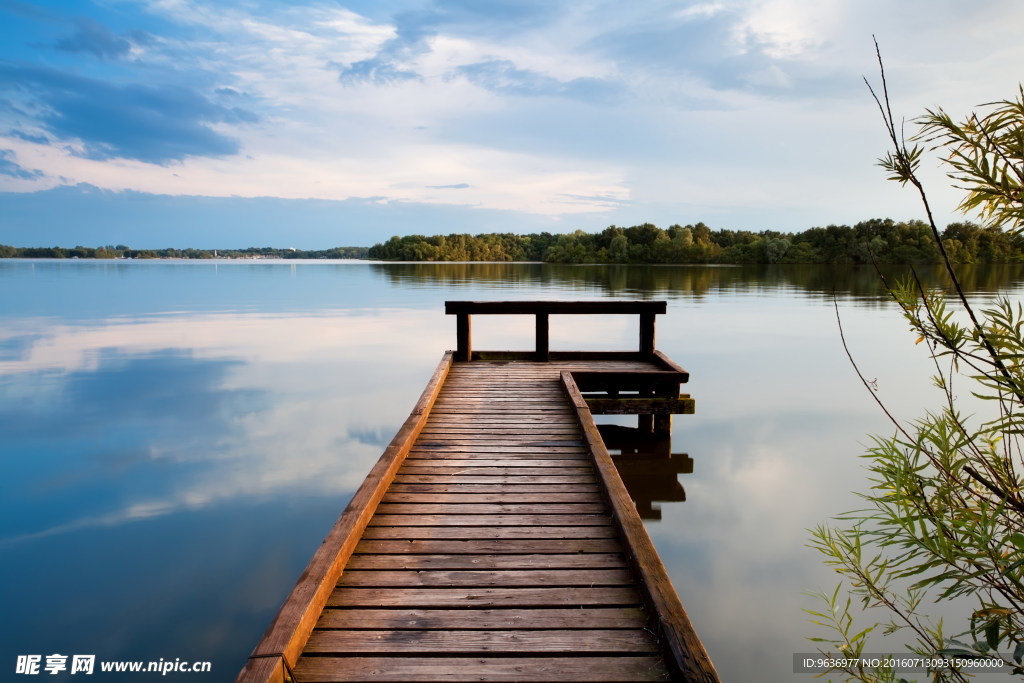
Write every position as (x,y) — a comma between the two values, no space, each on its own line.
(317,123)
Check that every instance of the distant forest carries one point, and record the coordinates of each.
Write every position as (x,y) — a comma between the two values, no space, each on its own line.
(121,251)
(881,240)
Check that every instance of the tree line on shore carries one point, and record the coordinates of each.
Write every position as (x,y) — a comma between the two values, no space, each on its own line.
(121,251)
(878,240)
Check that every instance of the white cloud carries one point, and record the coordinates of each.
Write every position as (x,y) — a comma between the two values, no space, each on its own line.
(763,65)
(701,10)
(786,29)
(398,171)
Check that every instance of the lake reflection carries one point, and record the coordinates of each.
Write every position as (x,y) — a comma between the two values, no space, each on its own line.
(178,437)
(648,467)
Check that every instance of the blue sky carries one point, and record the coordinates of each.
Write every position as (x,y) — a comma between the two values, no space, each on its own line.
(318,123)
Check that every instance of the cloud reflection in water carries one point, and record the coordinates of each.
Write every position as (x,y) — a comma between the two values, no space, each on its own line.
(133,419)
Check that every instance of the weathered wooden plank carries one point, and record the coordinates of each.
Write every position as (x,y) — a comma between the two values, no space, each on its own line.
(669,364)
(517,366)
(536,544)
(558,461)
(467,471)
(512,456)
(455,432)
(511,489)
(684,651)
(520,411)
(550,618)
(485,406)
(503,497)
(498,421)
(532,561)
(510,440)
(495,423)
(649,379)
(421,509)
(612,641)
(535,388)
(519,397)
(481,669)
(497,382)
(684,405)
(484,578)
(512,479)
(505,465)
(481,539)
(540,387)
(468,433)
(504,411)
(269,669)
(496,520)
(502,400)
(490,444)
(484,597)
(512,453)
(287,633)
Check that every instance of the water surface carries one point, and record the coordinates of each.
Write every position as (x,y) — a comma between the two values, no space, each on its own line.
(179,436)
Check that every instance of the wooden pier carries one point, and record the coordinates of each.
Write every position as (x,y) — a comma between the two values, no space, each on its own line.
(494,539)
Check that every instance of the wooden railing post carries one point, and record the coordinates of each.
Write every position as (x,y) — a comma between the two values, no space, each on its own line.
(543,353)
(647,332)
(464,338)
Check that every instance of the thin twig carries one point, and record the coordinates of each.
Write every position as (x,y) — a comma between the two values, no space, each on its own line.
(867,385)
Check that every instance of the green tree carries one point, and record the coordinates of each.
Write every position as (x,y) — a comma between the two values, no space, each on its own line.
(944,518)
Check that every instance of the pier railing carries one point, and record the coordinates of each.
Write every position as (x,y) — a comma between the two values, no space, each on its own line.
(543,310)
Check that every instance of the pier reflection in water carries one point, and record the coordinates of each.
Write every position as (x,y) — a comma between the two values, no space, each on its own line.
(648,467)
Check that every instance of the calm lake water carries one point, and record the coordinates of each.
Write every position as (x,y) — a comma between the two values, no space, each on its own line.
(178,437)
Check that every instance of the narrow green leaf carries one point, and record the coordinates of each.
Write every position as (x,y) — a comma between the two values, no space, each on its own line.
(992,635)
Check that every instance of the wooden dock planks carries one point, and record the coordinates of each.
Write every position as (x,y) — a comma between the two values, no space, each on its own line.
(492,541)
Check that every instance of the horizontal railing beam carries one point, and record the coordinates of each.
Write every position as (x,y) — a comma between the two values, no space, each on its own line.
(642,405)
(662,382)
(554,307)
(542,310)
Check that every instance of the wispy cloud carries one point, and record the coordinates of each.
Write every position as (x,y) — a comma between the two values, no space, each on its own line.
(504,77)
(11,168)
(155,124)
(456,186)
(92,37)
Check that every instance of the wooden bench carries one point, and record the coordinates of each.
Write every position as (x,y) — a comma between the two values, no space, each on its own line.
(543,310)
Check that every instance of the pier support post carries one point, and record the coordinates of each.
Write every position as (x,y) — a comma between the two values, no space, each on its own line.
(463,338)
(543,353)
(663,425)
(647,333)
